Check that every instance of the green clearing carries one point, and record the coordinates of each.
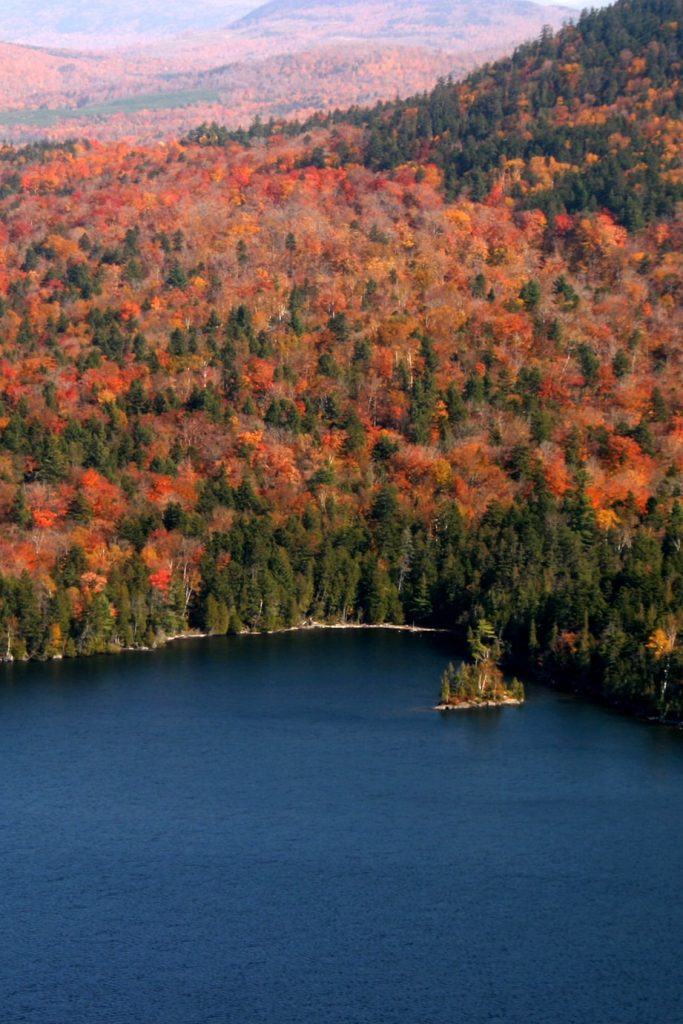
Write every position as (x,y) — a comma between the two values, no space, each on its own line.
(45,117)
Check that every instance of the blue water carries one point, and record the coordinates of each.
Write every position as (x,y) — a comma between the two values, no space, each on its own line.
(280,829)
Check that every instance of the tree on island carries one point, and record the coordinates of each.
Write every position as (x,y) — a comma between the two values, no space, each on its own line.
(485,648)
(481,680)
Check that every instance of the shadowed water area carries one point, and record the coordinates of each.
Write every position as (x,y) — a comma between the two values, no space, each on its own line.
(279,829)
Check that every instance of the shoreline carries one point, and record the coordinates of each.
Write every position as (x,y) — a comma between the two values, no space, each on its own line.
(472,705)
(198,635)
(312,624)
(302,628)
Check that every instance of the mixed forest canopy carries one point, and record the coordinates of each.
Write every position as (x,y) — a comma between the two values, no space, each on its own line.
(588,119)
(331,373)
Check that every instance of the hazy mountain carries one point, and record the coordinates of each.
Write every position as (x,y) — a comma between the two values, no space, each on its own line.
(396,13)
(441,23)
(106,23)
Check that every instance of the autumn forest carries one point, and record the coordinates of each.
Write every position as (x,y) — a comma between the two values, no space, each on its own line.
(417,363)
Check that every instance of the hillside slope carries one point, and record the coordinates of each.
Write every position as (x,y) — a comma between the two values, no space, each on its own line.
(587,119)
(241,386)
(32,78)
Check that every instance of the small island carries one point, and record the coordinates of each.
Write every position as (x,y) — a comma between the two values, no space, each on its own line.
(479,683)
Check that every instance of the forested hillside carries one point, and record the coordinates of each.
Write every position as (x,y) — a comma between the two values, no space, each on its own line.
(588,119)
(246,383)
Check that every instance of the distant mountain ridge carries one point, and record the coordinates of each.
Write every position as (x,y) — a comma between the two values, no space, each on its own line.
(425,22)
(81,23)
(443,10)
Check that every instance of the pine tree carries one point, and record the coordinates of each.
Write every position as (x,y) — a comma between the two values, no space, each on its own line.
(19,512)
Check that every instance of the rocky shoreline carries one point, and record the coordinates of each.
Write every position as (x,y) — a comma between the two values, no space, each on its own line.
(467,705)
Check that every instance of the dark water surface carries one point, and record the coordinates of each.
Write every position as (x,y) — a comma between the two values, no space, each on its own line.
(279,829)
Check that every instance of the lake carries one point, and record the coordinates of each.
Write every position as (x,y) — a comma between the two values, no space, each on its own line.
(279,829)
